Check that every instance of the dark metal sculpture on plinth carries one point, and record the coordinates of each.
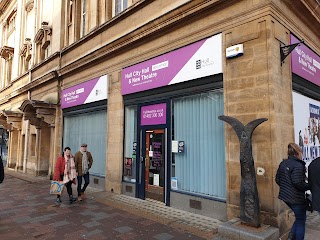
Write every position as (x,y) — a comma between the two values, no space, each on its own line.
(249,198)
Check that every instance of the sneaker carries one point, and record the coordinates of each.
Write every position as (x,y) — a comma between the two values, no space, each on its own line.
(72,200)
(58,200)
(80,198)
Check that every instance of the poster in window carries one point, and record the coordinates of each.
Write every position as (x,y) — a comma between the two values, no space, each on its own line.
(127,166)
(307,126)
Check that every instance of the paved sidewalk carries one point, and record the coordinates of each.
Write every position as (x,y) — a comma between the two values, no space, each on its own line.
(27,211)
(135,215)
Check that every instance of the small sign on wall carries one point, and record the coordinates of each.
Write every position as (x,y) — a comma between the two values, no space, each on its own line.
(174,183)
(234,51)
(153,114)
(174,146)
(156,179)
(181,147)
(177,146)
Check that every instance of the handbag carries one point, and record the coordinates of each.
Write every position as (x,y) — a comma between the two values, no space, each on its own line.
(56,187)
(309,202)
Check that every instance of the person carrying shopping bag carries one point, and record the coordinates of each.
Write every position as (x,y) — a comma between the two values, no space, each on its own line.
(65,171)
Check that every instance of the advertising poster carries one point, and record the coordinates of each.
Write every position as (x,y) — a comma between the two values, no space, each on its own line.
(307,126)
(128,166)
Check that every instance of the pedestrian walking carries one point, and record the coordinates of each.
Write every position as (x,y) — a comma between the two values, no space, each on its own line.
(83,162)
(65,171)
(291,179)
(1,170)
(314,183)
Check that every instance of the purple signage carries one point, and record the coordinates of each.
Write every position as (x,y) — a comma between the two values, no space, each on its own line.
(154,114)
(305,62)
(90,91)
(203,58)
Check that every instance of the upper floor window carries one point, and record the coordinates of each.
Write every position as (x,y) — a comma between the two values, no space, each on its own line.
(119,6)
(70,12)
(42,40)
(11,23)
(83,18)
(7,49)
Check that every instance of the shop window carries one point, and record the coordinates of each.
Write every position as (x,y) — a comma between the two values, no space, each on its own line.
(90,128)
(130,141)
(200,168)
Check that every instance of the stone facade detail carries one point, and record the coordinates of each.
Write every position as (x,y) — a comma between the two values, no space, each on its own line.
(67,49)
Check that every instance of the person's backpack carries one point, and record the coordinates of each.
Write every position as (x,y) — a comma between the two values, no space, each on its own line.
(1,170)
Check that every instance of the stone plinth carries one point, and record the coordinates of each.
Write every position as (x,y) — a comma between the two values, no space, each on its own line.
(233,229)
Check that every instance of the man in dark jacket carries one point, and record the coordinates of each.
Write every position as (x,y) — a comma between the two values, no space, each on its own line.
(314,182)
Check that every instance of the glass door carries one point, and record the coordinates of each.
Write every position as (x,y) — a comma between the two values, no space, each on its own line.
(155,161)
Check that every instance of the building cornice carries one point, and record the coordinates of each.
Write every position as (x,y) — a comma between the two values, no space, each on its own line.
(35,83)
(147,31)
(308,11)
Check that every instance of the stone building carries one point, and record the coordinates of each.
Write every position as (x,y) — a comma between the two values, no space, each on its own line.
(143,82)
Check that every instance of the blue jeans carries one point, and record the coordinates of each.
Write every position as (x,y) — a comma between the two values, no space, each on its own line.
(299,225)
(86,183)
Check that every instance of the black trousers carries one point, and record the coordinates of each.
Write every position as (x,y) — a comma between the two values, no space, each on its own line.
(68,186)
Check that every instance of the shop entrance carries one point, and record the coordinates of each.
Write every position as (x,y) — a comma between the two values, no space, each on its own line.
(153,164)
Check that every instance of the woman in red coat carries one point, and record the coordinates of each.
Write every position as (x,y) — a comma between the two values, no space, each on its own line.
(65,171)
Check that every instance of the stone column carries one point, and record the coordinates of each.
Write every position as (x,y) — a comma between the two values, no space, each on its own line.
(114,134)
(19,165)
(256,86)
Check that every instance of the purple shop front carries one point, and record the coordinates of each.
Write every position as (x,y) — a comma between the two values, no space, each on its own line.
(200,59)
(87,92)
(153,114)
(305,63)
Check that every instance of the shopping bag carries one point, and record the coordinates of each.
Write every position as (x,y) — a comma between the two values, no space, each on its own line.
(309,202)
(56,187)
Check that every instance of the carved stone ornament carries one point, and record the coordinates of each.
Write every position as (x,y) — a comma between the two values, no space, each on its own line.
(43,36)
(6,52)
(13,118)
(25,50)
(29,5)
(39,113)
(4,123)
(249,198)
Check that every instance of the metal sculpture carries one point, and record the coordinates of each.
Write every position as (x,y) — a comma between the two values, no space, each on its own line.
(249,199)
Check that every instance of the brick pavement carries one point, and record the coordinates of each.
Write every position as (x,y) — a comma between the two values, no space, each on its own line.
(103,215)
(27,211)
